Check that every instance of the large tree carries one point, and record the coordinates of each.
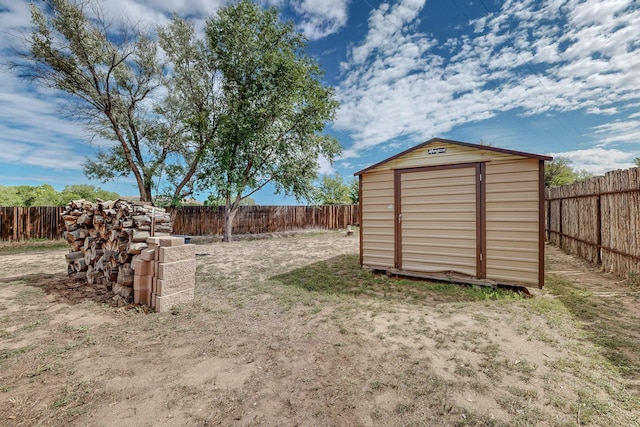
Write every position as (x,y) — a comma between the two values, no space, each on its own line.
(193,95)
(113,81)
(275,108)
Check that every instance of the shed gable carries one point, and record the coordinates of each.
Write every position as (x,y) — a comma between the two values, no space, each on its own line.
(442,153)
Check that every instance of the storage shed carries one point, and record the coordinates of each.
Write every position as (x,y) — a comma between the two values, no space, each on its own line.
(455,211)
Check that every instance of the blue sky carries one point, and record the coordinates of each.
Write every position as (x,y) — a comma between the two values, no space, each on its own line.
(558,77)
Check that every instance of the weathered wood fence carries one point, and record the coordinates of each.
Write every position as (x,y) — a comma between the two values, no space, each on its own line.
(599,220)
(203,220)
(22,223)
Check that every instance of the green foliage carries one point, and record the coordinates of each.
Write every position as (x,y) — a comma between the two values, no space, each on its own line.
(636,162)
(27,195)
(332,190)
(558,172)
(87,192)
(354,191)
(108,79)
(214,200)
(46,195)
(275,108)
(582,175)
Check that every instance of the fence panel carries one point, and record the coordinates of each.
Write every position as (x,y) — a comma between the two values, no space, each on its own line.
(599,220)
(23,223)
(204,220)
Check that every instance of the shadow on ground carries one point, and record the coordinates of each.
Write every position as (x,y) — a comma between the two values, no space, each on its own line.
(64,288)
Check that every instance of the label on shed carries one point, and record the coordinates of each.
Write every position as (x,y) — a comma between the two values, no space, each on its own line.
(437,150)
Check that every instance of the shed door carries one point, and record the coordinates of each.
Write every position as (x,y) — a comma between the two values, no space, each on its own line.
(439,219)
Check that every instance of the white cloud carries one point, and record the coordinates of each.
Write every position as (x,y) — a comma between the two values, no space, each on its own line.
(321,18)
(605,111)
(598,160)
(326,168)
(532,57)
(627,131)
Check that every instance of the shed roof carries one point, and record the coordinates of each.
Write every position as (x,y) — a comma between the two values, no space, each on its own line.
(463,144)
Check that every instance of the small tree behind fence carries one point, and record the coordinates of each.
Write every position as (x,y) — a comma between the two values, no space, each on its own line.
(44,222)
(599,220)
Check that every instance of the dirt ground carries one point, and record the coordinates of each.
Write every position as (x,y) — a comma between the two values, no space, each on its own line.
(252,351)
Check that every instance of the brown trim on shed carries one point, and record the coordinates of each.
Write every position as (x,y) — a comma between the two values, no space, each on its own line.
(360,217)
(541,233)
(397,218)
(481,241)
(462,144)
(481,222)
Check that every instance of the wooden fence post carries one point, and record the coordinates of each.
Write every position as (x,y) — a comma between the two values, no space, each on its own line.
(560,223)
(599,230)
(549,219)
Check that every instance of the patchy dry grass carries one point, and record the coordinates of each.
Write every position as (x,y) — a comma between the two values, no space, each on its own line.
(617,337)
(342,275)
(31,245)
(292,332)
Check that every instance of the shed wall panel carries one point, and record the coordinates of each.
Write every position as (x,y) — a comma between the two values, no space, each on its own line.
(512,221)
(378,219)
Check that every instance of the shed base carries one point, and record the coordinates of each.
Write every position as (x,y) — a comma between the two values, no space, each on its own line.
(452,277)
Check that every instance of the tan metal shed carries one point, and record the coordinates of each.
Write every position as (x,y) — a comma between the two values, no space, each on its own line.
(455,211)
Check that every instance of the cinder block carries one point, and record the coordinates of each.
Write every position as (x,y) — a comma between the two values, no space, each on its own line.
(142,282)
(171,286)
(153,241)
(143,268)
(154,284)
(176,270)
(153,300)
(147,299)
(176,253)
(148,254)
(171,241)
(142,296)
(166,302)
(156,266)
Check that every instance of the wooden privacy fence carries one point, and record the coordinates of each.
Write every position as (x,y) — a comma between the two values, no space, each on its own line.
(599,220)
(40,222)
(204,220)
(23,223)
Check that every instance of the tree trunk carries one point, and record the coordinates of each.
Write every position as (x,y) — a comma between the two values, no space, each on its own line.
(230,211)
(229,215)
(145,190)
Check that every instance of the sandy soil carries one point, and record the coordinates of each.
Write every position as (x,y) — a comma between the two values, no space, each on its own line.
(252,351)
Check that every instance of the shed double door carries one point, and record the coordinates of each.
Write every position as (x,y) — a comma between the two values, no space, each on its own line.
(439,214)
